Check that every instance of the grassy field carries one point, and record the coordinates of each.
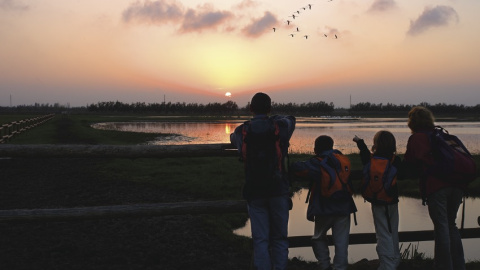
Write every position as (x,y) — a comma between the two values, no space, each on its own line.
(202,180)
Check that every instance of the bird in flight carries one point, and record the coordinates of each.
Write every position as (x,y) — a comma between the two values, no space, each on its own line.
(288,22)
(298,30)
(292,35)
(274,29)
(336,36)
(306,36)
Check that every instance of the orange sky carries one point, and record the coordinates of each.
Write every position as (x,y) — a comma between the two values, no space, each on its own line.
(83,52)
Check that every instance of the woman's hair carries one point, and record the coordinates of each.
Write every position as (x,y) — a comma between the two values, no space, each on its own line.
(261,103)
(384,142)
(420,118)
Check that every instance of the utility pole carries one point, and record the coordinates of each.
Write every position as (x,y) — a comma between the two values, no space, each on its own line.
(10,100)
(164,105)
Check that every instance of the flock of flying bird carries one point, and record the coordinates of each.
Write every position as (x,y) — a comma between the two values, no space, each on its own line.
(297,14)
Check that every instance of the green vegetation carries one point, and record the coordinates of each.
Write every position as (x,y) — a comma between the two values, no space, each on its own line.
(76,129)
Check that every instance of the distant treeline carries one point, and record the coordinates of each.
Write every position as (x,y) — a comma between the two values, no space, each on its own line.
(179,108)
(436,108)
(231,108)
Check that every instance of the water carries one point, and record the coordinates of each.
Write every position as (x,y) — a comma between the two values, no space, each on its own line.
(307,129)
(413,217)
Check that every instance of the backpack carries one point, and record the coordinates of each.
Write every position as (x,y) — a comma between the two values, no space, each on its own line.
(379,180)
(452,161)
(262,155)
(335,176)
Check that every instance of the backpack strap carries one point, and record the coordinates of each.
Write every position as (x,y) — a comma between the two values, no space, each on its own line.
(309,192)
(246,126)
(312,182)
(463,215)
(331,170)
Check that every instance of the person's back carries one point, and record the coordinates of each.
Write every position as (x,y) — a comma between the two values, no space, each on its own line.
(263,144)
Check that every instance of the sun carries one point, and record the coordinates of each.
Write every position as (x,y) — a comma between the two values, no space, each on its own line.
(228,94)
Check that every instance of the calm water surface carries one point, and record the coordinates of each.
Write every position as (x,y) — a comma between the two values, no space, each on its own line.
(413,217)
(307,129)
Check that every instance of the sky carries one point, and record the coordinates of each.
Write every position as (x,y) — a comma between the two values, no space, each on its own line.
(79,52)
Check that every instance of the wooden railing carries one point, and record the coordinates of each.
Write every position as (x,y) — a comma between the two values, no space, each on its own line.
(160,209)
(7,131)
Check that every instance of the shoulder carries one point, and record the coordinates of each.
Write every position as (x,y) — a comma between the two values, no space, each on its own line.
(397,161)
(419,137)
(239,128)
(283,119)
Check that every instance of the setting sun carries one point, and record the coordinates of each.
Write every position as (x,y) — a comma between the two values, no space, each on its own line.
(228,94)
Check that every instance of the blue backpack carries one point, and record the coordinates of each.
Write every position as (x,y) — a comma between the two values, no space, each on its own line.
(453,162)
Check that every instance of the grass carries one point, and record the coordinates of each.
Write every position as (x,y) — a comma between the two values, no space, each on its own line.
(76,129)
(411,252)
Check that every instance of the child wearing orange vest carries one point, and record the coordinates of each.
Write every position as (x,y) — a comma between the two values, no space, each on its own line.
(380,189)
(328,212)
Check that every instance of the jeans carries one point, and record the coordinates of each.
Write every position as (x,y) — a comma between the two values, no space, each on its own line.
(269,224)
(443,207)
(387,242)
(340,226)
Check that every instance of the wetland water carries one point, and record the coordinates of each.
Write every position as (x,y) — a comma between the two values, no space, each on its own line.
(307,129)
(413,215)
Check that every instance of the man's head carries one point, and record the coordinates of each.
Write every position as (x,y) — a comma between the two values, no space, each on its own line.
(323,143)
(261,104)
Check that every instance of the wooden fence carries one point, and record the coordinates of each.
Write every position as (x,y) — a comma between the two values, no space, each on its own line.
(161,209)
(7,131)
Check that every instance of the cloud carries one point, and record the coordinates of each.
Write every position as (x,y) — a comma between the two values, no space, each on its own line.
(328,31)
(157,12)
(169,11)
(259,26)
(247,4)
(12,5)
(382,5)
(203,18)
(432,17)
